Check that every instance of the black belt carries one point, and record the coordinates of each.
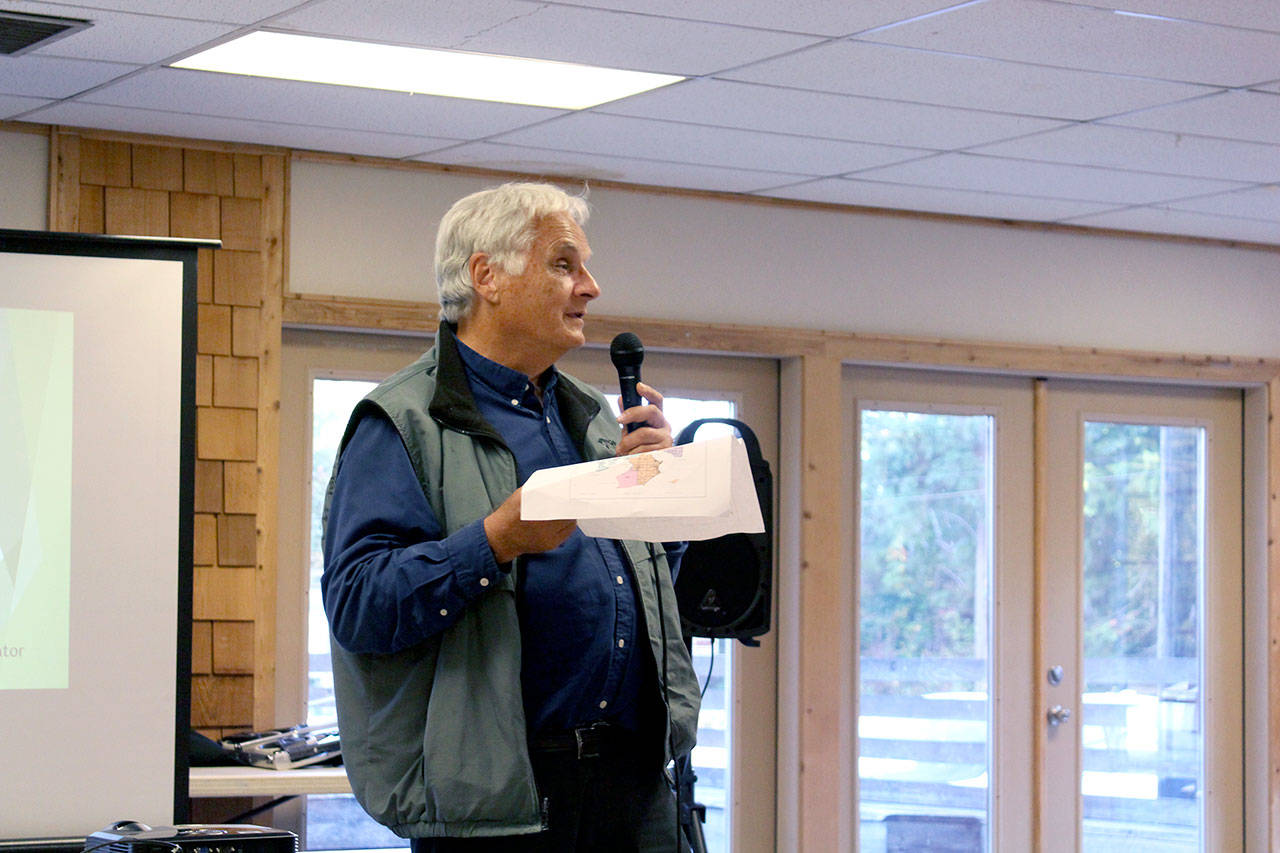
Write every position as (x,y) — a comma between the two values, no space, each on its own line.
(586,742)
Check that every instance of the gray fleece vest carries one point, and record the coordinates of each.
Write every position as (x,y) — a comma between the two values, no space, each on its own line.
(433,737)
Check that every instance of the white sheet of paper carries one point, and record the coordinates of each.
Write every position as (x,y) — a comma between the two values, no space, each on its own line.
(690,491)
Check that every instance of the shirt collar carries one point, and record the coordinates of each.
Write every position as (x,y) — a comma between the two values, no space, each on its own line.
(502,379)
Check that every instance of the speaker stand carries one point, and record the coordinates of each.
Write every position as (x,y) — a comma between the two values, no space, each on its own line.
(692,814)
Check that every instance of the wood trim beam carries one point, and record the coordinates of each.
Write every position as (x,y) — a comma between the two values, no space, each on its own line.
(356,314)
(828,666)
(149,139)
(64,181)
(1040,521)
(274,195)
(1273,612)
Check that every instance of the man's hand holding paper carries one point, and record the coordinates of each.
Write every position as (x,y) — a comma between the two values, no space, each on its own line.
(686,492)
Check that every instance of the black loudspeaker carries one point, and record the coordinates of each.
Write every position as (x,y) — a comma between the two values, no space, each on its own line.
(725,585)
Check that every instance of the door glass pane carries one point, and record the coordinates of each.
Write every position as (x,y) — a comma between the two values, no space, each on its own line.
(1143,568)
(925,525)
(333,821)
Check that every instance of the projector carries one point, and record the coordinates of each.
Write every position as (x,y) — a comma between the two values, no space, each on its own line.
(128,836)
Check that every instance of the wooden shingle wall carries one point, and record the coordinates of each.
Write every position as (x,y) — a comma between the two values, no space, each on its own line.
(116,184)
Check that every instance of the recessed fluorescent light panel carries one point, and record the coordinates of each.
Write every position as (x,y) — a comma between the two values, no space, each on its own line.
(453,74)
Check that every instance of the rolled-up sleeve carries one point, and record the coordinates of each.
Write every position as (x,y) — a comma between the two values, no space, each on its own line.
(391,578)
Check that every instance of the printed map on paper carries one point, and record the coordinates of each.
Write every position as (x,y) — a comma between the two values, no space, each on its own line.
(660,474)
(690,491)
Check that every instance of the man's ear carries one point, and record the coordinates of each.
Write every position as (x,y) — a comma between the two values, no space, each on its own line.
(484,276)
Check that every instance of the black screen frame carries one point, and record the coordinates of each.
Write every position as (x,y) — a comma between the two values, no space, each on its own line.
(184,251)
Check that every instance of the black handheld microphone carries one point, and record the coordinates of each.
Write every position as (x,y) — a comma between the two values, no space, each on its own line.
(627,352)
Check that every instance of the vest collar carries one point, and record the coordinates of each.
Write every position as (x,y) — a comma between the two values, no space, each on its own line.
(453,406)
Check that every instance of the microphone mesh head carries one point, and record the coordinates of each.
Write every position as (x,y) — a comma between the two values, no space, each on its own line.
(626,350)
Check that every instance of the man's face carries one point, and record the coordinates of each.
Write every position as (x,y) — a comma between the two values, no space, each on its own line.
(543,309)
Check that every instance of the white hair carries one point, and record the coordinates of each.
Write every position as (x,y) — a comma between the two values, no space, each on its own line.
(500,222)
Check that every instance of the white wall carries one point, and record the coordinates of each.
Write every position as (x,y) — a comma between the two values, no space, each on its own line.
(24,187)
(369,231)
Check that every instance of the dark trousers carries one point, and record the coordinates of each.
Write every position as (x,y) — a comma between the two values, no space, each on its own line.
(618,800)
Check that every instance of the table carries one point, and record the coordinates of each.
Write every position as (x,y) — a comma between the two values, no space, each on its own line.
(260,782)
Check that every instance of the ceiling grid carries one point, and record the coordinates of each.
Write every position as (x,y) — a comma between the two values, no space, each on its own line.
(1155,116)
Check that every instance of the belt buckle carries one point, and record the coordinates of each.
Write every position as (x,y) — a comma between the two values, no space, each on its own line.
(588,741)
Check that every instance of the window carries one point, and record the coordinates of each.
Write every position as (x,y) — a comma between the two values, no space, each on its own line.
(927,513)
(333,821)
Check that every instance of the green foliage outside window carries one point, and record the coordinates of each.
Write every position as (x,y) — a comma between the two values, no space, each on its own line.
(924,497)
(1142,550)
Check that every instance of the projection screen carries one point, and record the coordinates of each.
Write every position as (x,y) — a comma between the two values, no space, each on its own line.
(97,412)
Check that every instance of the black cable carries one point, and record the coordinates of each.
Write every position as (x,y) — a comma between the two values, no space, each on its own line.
(711,667)
(666,688)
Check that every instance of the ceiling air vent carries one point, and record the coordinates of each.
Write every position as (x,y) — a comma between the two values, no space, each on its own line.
(20,32)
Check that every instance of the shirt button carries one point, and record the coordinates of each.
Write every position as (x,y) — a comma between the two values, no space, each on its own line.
(603,704)
(622,644)
(484,581)
(444,612)
(515,402)
(620,579)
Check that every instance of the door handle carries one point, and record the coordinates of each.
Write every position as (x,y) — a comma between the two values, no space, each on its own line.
(1058,715)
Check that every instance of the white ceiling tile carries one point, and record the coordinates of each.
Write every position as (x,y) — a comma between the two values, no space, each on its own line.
(1248,14)
(1089,38)
(1253,203)
(119,36)
(753,107)
(709,146)
(637,42)
(1049,180)
(1244,115)
(906,74)
(870,90)
(12,105)
(47,77)
(124,37)
(819,17)
(426,23)
(959,202)
(234,96)
(234,130)
(564,33)
(1146,151)
(600,167)
(221,11)
(1158,220)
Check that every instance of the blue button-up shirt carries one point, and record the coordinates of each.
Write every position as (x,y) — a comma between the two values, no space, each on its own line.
(576,603)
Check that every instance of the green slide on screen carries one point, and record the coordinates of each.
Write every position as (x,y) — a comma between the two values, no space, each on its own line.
(36,350)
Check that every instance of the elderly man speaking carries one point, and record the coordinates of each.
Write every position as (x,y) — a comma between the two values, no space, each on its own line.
(502,684)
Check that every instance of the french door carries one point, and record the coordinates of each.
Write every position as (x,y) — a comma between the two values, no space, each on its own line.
(1142,705)
(1049,614)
